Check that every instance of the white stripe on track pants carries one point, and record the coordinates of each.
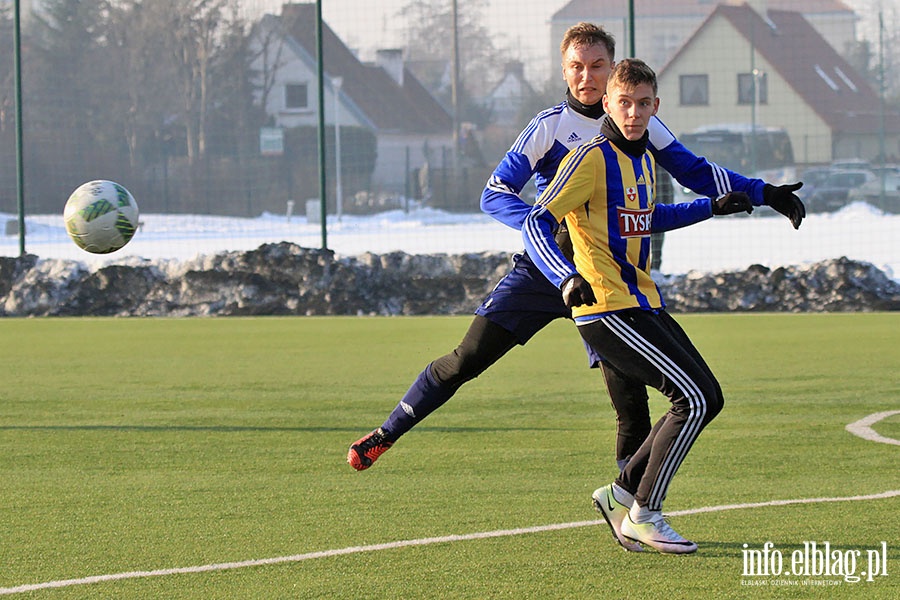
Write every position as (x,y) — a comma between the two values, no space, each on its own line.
(651,347)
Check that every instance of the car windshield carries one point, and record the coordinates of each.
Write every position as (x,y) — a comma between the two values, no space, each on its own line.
(846,179)
(816,177)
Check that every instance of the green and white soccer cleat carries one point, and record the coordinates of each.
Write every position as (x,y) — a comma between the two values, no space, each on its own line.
(657,534)
(614,512)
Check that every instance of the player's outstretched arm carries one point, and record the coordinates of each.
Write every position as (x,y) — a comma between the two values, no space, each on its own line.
(709,179)
(667,217)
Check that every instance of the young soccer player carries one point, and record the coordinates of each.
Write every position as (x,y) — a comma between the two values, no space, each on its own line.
(605,192)
(524,302)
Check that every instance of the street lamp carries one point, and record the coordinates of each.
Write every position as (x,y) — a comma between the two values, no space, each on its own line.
(755,75)
(336,83)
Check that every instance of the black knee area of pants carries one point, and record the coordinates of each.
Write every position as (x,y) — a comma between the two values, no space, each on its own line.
(715,400)
(631,403)
(717,404)
(484,344)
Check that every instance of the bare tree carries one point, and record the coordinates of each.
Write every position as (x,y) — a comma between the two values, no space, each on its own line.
(876,53)
(429,42)
(144,77)
(234,116)
(122,86)
(65,45)
(268,55)
(191,39)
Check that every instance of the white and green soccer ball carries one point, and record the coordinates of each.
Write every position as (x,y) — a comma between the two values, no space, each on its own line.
(101,216)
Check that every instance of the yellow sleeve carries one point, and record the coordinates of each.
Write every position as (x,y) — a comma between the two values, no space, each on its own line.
(573,185)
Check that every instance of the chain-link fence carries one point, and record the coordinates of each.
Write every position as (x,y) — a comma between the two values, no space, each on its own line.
(214,107)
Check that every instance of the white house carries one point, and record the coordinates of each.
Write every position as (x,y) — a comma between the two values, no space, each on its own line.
(802,86)
(384,97)
(507,97)
(662,27)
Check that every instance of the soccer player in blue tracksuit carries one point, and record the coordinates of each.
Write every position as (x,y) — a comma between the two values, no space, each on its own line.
(524,301)
(605,192)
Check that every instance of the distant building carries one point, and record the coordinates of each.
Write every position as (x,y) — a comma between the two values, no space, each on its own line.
(508,96)
(802,85)
(662,27)
(384,97)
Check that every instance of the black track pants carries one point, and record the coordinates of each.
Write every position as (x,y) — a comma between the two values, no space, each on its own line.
(652,348)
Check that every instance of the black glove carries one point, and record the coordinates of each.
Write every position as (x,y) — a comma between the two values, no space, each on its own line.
(784,200)
(732,202)
(576,291)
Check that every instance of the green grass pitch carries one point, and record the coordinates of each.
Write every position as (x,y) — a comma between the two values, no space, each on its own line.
(132,445)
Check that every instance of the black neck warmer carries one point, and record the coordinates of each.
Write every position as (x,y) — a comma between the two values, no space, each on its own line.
(593,111)
(631,148)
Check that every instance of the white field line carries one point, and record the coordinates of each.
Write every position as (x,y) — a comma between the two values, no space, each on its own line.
(405,543)
(863,428)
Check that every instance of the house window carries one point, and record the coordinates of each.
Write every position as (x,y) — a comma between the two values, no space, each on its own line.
(296,96)
(694,90)
(745,88)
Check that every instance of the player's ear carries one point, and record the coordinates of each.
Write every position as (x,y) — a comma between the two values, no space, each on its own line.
(605,101)
(655,105)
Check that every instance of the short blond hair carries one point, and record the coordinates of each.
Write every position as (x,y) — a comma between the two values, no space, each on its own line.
(588,34)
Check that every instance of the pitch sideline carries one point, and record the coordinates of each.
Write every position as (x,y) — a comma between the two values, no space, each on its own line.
(863,428)
(406,543)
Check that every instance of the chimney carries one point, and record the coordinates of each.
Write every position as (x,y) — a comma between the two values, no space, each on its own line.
(391,60)
(516,67)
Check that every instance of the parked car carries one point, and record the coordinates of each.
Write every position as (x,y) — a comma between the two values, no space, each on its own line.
(871,192)
(851,164)
(887,170)
(812,179)
(834,192)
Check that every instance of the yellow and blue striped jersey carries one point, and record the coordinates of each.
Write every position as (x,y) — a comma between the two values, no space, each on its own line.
(607,199)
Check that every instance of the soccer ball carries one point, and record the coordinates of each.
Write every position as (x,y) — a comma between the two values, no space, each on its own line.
(101,216)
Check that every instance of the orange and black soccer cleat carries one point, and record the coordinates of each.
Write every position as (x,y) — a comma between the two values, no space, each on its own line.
(366,450)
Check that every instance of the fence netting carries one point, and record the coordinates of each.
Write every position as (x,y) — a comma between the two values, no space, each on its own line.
(208,111)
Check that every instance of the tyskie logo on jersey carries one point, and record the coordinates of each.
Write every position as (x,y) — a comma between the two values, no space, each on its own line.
(634,222)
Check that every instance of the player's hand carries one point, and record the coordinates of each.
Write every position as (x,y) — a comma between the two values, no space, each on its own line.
(783,199)
(732,202)
(576,292)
